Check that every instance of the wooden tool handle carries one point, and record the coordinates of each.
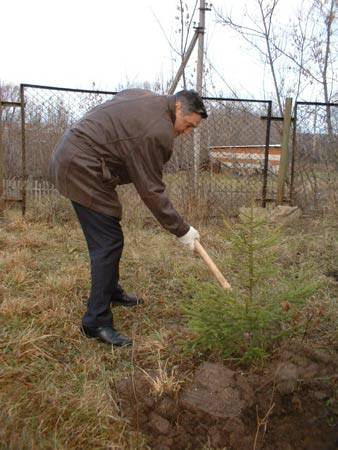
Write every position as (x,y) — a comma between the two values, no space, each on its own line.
(211,265)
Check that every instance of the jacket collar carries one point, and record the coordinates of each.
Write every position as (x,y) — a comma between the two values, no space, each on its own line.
(172,107)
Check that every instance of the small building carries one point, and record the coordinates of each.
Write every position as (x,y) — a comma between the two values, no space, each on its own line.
(244,159)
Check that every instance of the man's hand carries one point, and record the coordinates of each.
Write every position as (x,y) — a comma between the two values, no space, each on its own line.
(188,238)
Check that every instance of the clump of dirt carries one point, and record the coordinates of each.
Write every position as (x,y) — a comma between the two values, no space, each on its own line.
(292,405)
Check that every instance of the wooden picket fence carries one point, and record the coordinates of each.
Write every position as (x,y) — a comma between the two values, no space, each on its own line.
(36,190)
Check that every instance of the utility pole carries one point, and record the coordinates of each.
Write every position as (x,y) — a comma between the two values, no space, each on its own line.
(198,36)
(199,86)
(201,30)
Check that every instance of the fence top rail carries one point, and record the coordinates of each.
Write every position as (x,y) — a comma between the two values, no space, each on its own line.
(10,104)
(87,91)
(224,99)
(317,103)
(94,91)
(243,146)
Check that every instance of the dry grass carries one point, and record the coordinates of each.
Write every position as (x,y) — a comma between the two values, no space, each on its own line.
(56,387)
(164,381)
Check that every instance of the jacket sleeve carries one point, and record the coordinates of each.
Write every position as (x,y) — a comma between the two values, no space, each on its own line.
(145,164)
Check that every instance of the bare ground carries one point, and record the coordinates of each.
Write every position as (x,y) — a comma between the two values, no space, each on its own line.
(291,405)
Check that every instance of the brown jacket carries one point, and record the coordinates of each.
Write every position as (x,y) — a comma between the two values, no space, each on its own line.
(126,140)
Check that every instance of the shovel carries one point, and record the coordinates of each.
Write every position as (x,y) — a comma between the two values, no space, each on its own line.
(211,265)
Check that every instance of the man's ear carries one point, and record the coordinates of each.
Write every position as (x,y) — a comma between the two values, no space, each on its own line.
(178,106)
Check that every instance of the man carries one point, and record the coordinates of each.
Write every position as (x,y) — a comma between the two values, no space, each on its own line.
(125,140)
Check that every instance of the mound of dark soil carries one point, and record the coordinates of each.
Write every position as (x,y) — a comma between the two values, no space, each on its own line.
(293,405)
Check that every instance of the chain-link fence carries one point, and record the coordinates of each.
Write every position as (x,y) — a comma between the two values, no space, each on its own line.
(314,176)
(10,145)
(229,160)
(48,113)
(232,158)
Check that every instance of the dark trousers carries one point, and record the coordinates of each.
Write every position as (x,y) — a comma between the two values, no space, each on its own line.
(104,238)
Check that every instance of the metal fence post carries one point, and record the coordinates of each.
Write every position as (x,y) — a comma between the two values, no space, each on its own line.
(23,155)
(2,203)
(266,156)
(293,155)
(285,151)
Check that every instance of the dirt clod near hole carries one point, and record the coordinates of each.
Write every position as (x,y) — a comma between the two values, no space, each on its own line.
(294,401)
(218,392)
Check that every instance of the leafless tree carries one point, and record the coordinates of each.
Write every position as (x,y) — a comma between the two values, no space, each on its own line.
(259,31)
(300,54)
(184,30)
(313,51)
(323,51)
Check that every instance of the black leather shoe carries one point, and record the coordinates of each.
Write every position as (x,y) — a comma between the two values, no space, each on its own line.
(126,300)
(106,334)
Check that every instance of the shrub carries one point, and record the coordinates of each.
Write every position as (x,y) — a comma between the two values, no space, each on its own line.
(248,321)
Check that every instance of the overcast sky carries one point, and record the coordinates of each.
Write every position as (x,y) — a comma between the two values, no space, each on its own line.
(112,43)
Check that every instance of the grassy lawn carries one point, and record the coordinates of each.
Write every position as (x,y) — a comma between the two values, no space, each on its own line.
(57,388)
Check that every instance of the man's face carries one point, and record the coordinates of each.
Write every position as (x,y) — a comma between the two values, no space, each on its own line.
(185,123)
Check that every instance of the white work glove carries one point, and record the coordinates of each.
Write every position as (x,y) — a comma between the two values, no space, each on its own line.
(188,238)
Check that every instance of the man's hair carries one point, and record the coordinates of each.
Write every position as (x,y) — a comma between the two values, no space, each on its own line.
(191,103)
